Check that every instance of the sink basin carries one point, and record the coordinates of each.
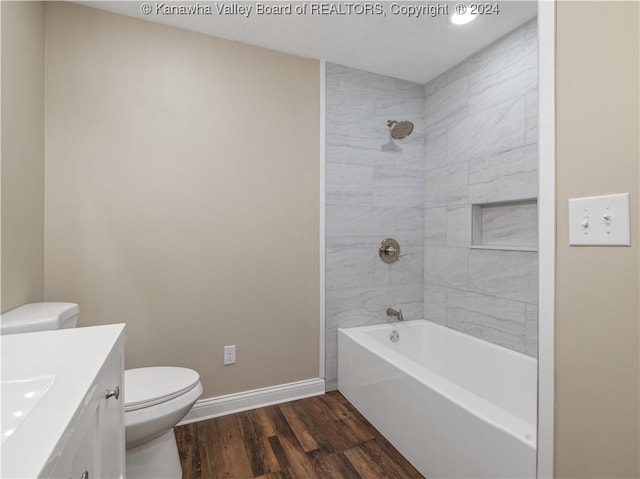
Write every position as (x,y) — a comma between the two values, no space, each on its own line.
(19,397)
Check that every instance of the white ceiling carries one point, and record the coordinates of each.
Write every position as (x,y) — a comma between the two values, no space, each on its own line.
(414,49)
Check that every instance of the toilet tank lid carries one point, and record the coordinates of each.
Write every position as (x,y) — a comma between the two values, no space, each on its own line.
(37,317)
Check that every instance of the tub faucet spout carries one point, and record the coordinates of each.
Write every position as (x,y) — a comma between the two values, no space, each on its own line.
(397,314)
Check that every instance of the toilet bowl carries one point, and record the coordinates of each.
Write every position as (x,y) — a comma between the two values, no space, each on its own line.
(155,398)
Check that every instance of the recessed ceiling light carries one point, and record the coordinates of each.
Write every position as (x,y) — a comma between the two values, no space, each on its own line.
(462,17)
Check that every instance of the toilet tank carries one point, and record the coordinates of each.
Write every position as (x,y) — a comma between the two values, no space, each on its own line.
(33,317)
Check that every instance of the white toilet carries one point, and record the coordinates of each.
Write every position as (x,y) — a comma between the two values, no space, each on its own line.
(155,399)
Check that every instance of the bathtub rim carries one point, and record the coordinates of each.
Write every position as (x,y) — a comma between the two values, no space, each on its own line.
(444,387)
(455,332)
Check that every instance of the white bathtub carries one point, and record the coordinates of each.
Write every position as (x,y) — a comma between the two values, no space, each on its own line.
(453,405)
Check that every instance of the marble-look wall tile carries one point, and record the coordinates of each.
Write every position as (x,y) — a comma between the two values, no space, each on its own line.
(446,266)
(531,337)
(411,156)
(509,42)
(446,186)
(504,89)
(510,175)
(500,47)
(336,195)
(435,85)
(348,267)
(351,184)
(510,225)
(496,320)
(461,70)
(349,175)
(435,226)
(435,148)
(357,220)
(530,29)
(371,195)
(505,274)
(435,303)
(400,107)
(505,77)
(531,116)
(459,225)
(481,147)
(494,130)
(350,307)
(358,117)
(409,226)
(447,105)
(352,155)
(355,241)
(398,188)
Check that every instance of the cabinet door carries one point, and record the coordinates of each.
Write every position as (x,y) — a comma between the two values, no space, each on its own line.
(94,442)
(81,456)
(111,417)
(85,460)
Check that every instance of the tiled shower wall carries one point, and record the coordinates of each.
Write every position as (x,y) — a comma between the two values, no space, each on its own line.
(475,142)
(481,147)
(371,195)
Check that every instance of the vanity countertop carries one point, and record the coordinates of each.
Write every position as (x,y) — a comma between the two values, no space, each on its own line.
(46,377)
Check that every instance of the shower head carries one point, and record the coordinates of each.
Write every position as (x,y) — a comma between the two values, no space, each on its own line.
(400,129)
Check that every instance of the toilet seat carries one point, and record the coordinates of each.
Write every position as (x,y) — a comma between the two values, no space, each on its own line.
(147,423)
(146,387)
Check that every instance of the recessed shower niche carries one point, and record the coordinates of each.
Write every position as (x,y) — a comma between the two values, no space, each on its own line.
(505,225)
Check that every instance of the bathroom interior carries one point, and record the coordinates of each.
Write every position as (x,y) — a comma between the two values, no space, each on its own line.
(211,222)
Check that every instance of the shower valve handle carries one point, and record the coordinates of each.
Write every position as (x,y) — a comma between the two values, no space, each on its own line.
(389,250)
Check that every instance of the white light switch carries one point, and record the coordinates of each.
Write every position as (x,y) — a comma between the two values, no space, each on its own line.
(599,220)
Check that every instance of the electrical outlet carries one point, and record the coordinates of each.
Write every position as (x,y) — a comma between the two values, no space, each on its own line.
(230,354)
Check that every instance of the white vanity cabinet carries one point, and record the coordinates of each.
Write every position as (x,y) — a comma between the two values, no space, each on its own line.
(88,441)
(95,445)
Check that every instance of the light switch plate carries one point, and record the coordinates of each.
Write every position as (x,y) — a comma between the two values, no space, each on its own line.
(600,220)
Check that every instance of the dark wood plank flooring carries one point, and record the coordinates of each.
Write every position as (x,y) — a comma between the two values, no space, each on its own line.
(322,437)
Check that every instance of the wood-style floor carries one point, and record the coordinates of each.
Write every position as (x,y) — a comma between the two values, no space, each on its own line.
(321,437)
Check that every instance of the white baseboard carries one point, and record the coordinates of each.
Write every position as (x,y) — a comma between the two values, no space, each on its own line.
(221,405)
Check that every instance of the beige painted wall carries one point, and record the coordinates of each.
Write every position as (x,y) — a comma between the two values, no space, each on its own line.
(597,311)
(22,153)
(182,176)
